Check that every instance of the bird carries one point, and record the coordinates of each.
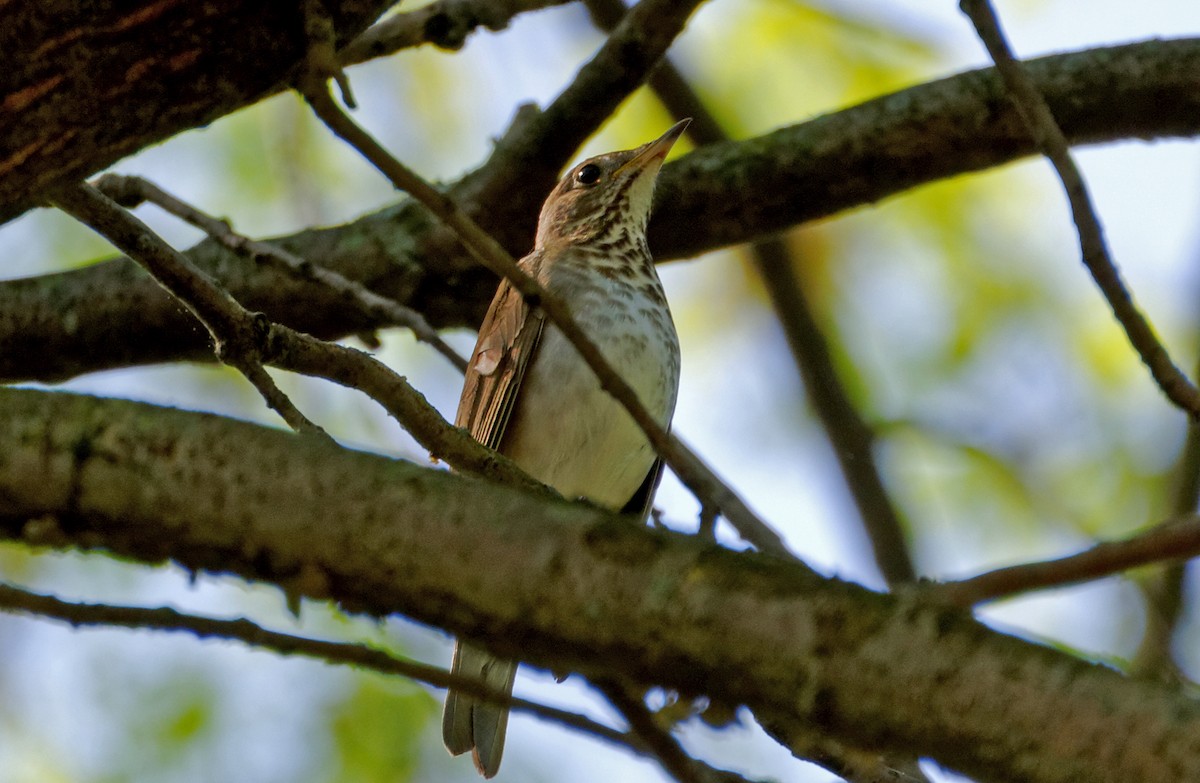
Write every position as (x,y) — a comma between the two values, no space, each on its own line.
(529,394)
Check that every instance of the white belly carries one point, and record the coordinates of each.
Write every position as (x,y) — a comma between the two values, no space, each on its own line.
(569,433)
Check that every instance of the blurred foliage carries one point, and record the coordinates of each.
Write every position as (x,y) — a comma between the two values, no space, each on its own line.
(378,730)
(1014,421)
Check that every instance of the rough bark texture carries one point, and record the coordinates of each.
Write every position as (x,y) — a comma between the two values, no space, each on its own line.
(110,315)
(85,84)
(570,587)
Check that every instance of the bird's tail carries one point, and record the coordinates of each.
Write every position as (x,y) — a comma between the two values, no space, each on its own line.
(468,724)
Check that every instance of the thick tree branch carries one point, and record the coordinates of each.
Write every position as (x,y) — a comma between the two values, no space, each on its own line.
(474,558)
(107,316)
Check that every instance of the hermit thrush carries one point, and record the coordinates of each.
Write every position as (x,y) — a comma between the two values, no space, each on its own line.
(530,395)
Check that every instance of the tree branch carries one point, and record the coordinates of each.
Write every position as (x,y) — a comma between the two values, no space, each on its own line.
(745,628)
(852,764)
(81,615)
(1175,539)
(1163,591)
(59,326)
(354,369)
(1039,119)
(674,760)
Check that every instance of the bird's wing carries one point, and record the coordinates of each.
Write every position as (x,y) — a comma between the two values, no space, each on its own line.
(507,341)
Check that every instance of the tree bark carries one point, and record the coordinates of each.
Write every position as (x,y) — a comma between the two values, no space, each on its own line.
(569,587)
(85,84)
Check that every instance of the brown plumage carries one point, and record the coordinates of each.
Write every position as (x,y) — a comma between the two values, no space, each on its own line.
(529,395)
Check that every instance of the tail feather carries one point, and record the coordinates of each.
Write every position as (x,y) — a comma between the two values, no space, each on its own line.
(469,724)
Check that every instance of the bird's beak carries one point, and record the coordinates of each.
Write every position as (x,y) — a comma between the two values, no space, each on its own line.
(656,151)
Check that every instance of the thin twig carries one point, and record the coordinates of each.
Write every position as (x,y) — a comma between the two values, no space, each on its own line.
(641,723)
(445,24)
(129,191)
(237,333)
(849,435)
(687,466)
(17,600)
(1175,539)
(852,439)
(1163,591)
(1034,110)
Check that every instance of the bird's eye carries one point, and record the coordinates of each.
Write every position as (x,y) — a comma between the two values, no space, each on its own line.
(588,175)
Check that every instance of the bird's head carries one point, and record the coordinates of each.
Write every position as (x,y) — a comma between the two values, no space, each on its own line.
(606,196)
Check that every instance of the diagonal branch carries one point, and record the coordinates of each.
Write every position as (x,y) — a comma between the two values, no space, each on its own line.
(508,191)
(852,439)
(354,369)
(236,332)
(1039,119)
(674,760)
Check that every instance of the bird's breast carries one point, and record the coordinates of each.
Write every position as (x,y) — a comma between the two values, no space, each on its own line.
(569,433)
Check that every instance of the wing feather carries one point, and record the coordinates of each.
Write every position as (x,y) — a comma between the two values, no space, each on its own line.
(508,340)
